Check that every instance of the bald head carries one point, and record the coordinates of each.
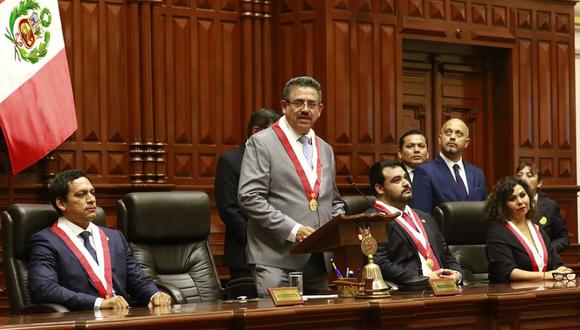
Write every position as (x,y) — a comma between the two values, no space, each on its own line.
(454,139)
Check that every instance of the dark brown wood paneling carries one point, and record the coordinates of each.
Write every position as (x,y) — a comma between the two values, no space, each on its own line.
(162,88)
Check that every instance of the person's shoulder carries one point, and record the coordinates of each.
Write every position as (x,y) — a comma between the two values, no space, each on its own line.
(372,210)
(45,233)
(495,231)
(472,167)
(234,153)
(546,201)
(430,165)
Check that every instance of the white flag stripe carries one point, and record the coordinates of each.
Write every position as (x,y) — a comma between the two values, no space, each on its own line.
(13,72)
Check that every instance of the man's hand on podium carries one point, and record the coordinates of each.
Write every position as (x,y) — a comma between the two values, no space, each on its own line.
(303,232)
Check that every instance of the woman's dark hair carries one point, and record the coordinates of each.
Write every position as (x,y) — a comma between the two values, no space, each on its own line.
(496,204)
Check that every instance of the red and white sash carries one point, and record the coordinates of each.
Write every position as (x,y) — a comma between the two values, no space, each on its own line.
(419,237)
(311,192)
(538,255)
(105,289)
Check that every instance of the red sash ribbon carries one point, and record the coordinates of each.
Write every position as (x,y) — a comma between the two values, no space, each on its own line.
(311,193)
(103,293)
(425,251)
(528,249)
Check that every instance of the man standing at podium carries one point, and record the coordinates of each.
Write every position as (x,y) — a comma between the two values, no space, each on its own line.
(415,245)
(287,188)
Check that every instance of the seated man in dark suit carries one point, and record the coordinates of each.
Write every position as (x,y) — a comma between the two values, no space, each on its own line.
(415,245)
(79,265)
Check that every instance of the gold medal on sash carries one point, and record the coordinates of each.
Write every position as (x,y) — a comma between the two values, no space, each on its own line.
(313,205)
(429,263)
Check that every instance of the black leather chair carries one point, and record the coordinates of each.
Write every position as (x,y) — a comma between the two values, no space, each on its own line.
(19,223)
(355,204)
(168,232)
(464,227)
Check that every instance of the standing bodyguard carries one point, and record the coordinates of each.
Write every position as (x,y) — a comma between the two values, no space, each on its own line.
(227,177)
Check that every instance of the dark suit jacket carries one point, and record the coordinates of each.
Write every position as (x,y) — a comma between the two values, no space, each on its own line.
(56,276)
(505,253)
(434,184)
(555,226)
(226,193)
(399,258)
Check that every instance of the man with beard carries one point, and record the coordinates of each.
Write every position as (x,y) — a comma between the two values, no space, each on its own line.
(288,189)
(448,177)
(415,245)
(412,151)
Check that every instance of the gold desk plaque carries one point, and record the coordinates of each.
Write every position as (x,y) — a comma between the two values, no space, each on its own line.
(286,296)
(444,287)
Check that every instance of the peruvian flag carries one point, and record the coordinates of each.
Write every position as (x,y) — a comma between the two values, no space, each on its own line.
(37,111)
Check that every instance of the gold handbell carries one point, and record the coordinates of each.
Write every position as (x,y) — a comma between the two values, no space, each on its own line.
(372,272)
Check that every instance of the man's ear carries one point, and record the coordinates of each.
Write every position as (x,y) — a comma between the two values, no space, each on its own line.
(399,154)
(60,204)
(540,184)
(379,189)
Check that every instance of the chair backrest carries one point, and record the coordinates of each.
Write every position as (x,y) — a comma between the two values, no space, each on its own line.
(355,204)
(168,232)
(464,227)
(19,223)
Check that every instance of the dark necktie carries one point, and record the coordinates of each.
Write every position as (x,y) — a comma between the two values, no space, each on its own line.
(306,149)
(409,221)
(462,192)
(85,235)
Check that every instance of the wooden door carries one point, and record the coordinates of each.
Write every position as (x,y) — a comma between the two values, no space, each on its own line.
(443,81)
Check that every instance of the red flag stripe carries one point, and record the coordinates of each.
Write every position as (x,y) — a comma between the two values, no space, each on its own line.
(39,115)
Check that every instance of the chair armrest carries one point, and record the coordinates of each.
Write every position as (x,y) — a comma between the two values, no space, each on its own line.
(43,308)
(173,291)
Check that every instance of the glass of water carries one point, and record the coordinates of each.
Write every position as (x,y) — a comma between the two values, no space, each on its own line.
(297,280)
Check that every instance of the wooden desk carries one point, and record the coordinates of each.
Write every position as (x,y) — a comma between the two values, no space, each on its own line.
(523,305)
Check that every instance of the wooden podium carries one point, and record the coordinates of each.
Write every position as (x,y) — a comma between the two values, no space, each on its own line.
(340,235)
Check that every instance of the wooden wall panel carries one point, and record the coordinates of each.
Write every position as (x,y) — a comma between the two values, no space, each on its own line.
(525,93)
(344,83)
(389,54)
(365,84)
(162,88)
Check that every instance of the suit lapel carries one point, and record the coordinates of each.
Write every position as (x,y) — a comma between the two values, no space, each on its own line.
(470,177)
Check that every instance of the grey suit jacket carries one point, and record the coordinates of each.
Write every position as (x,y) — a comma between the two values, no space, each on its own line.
(274,199)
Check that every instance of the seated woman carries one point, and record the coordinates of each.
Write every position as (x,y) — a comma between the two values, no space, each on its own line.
(547,214)
(516,248)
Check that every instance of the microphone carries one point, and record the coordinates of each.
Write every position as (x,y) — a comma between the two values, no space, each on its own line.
(350,180)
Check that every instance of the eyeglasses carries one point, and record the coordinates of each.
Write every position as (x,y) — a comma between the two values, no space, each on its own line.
(299,103)
(564,276)
(564,284)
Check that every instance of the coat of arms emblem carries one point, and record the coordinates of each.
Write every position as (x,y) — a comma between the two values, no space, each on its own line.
(28,31)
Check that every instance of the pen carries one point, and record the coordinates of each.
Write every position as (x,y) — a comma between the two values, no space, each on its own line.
(336,271)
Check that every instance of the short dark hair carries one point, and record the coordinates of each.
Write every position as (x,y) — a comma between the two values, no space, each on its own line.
(376,172)
(303,81)
(533,169)
(59,186)
(496,203)
(262,118)
(410,132)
